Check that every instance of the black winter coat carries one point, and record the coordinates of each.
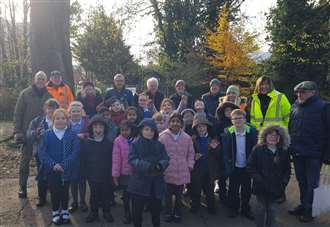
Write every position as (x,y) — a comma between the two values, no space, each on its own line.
(96,160)
(307,128)
(270,172)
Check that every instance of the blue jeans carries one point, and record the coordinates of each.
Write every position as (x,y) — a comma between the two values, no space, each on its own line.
(308,176)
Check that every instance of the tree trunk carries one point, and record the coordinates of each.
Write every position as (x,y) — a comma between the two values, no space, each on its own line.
(50,37)
(25,39)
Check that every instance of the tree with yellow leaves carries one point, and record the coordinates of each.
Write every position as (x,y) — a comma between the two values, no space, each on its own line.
(231,48)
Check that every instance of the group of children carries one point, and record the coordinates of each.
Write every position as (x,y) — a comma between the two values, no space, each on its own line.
(155,156)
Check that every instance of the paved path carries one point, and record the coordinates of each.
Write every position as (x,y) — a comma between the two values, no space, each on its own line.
(16,212)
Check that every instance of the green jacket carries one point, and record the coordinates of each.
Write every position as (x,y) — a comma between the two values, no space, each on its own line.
(28,106)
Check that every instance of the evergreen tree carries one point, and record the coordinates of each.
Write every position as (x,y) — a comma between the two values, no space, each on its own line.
(299,31)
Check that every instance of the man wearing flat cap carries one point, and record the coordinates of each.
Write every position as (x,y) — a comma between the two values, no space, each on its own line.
(308,129)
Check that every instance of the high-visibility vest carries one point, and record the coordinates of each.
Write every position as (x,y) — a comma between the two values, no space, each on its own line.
(278,111)
(62,94)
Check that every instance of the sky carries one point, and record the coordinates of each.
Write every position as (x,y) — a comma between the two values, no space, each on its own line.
(140,32)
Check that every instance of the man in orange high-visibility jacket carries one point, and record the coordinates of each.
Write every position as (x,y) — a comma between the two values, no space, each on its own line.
(59,90)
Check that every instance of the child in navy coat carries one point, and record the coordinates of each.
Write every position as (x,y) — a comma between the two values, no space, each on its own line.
(58,154)
(149,160)
(96,161)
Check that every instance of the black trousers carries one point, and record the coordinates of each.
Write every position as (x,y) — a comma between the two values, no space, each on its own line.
(100,194)
(239,193)
(42,184)
(59,191)
(175,190)
(199,182)
(126,201)
(138,204)
(78,186)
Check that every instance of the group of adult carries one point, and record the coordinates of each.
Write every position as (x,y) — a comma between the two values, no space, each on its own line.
(307,119)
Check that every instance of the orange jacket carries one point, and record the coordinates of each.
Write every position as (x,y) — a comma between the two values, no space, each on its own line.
(62,94)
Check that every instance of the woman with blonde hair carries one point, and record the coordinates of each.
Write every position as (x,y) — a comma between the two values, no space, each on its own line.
(269,166)
(268,106)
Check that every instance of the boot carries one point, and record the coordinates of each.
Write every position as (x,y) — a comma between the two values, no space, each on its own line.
(73,207)
(22,194)
(307,216)
(41,202)
(297,211)
(92,216)
(108,217)
(127,218)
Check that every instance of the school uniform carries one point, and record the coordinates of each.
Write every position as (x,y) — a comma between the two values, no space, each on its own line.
(59,147)
(236,149)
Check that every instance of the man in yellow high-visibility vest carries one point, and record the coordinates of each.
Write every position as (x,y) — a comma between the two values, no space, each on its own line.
(269,106)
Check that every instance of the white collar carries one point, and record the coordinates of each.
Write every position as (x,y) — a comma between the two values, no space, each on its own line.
(76,123)
(240,133)
(59,132)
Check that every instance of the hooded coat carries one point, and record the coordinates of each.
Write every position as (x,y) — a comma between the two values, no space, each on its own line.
(96,156)
(270,171)
(145,156)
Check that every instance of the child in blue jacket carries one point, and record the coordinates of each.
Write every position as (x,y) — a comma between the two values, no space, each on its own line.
(58,154)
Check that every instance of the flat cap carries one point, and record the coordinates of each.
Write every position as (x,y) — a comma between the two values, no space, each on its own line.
(306,85)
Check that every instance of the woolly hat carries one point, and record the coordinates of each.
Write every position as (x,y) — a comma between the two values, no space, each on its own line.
(233,89)
(149,122)
(215,81)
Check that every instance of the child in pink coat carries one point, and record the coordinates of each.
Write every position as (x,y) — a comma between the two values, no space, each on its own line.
(180,149)
(121,170)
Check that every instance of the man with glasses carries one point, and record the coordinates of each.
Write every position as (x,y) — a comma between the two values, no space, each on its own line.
(237,143)
(308,131)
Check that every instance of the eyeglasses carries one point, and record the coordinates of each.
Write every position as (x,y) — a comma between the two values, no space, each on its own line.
(238,118)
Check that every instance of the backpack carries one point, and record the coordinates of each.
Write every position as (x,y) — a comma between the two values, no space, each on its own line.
(326,119)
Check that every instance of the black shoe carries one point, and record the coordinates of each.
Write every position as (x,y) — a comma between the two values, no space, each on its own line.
(282,199)
(248,215)
(41,203)
(127,218)
(168,218)
(73,207)
(108,217)
(83,207)
(297,211)
(232,213)
(22,194)
(177,219)
(306,218)
(194,209)
(92,216)
(211,210)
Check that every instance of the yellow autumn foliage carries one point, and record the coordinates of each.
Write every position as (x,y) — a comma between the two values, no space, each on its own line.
(231,47)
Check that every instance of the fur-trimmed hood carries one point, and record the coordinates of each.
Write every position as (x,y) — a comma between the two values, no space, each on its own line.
(283,132)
